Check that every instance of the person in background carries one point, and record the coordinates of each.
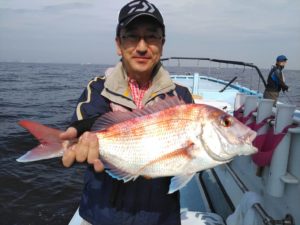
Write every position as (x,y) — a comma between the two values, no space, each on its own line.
(276,80)
(136,81)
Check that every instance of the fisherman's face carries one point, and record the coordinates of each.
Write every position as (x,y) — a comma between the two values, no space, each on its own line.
(282,63)
(140,45)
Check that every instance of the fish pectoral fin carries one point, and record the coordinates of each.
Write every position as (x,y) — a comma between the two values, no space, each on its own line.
(179,182)
(191,149)
(183,153)
(118,174)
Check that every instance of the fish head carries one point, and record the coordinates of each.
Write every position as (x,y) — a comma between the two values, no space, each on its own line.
(223,136)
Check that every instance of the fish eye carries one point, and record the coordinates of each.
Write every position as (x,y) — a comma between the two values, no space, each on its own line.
(226,121)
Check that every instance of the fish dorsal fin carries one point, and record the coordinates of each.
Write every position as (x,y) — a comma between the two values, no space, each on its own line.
(112,118)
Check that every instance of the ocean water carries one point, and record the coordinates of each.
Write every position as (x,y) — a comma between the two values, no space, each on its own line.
(42,192)
(45,192)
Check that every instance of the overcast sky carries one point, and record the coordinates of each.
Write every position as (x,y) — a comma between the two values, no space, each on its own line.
(82,31)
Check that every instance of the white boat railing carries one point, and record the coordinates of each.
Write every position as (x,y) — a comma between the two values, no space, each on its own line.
(278,176)
(220,61)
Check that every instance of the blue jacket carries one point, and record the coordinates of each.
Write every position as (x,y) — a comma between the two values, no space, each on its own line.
(275,80)
(107,201)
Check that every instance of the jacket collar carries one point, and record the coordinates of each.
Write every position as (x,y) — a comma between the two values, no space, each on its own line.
(117,90)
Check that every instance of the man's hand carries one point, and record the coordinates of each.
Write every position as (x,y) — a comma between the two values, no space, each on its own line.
(285,88)
(86,149)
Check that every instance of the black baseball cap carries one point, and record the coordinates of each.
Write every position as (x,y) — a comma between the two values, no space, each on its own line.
(137,8)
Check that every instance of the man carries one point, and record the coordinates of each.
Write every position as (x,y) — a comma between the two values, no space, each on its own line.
(276,81)
(135,82)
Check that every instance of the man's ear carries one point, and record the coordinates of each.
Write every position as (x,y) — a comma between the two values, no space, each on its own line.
(118,45)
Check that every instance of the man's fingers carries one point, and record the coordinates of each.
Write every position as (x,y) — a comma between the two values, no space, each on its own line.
(98,165)
(82,148)
(69,157)
(87,149)
(70,133)
(93,148)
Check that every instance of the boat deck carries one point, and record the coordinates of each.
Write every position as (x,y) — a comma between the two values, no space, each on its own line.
(190,197)
(208,92)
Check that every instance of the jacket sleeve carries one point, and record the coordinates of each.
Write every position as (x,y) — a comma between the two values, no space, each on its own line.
(90,106)
(279,77)
(184,93)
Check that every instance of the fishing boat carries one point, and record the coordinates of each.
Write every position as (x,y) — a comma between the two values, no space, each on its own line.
(258,189)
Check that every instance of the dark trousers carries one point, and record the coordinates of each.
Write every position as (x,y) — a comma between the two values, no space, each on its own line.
(271,95)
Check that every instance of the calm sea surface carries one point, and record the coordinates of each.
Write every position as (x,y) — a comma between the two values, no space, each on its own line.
(45,192)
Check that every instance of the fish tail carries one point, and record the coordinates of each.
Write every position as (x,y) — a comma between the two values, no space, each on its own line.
(50,144)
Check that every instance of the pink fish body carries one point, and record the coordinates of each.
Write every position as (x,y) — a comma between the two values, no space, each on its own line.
(169,138)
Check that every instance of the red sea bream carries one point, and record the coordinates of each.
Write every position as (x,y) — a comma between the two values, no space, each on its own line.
(169,138)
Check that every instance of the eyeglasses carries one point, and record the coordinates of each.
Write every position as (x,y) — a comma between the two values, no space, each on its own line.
(134,39)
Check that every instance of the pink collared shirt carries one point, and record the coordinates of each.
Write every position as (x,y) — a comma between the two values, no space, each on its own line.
(138,92)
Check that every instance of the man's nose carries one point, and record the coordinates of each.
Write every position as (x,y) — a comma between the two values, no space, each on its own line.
(142,46)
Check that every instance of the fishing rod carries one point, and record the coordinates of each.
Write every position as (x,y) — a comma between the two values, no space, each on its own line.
(230,82)
(289,99)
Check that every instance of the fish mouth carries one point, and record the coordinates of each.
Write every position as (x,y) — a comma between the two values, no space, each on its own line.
(245,141)
(248,137)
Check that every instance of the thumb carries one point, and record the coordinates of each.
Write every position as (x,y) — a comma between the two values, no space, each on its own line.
(70,133)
